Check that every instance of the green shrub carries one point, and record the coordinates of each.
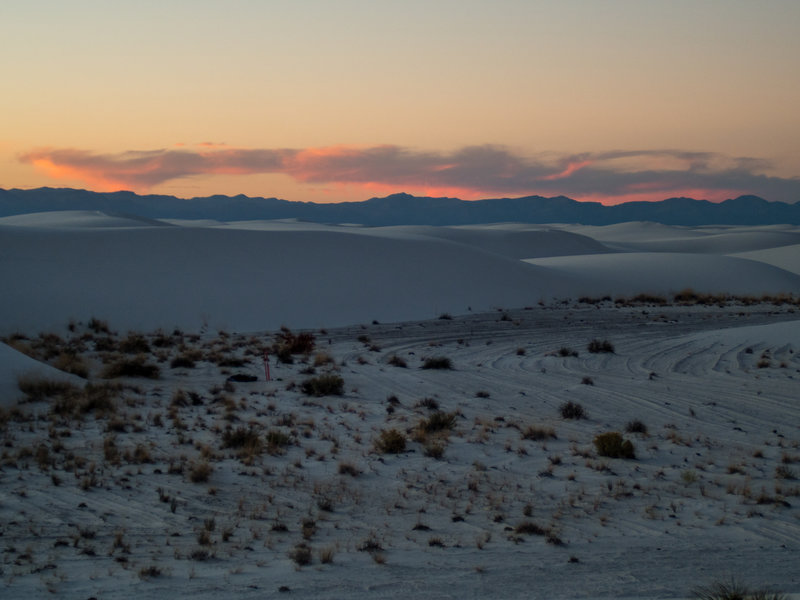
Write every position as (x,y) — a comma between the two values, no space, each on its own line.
(390,441)
(612,445)
(324,385)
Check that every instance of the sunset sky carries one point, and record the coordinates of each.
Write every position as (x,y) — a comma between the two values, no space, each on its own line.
(327,101)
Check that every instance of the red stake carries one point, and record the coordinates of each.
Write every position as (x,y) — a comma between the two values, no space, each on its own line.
(266,365)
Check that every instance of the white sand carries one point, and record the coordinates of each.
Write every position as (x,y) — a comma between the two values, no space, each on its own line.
(705,498)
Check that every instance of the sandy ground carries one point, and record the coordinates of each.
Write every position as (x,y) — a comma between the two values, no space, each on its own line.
(703,499)
(187,484)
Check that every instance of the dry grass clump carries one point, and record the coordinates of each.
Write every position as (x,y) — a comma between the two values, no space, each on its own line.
(37,388)
(572,410)
(538,434)
(200,472)
(612,445)
(397,361)
(390,441)
(438,421)
(247,442)
(437,362)
(277,441)
(636,426)
(131,367)
(301,554)
(600,346)
(287,344)
(70,362)
(134,343)
(324,385)
(733,590)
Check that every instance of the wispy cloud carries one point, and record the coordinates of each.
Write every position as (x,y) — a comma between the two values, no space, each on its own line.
(474,170)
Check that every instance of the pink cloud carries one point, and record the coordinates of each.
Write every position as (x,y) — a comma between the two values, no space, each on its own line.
(470,172)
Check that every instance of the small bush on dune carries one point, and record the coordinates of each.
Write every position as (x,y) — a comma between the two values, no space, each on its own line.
(599,346)
(390,441)
(612,445)
(397,361)
(324,385)
(564,351)
(72,363)
(40,388)
(572,410)
(733,590)
(538,434)
(438,421)
(135,343)
(437,362)
(135,367)
(636,426)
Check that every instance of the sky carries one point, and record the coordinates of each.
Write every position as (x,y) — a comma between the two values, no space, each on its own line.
(322,101)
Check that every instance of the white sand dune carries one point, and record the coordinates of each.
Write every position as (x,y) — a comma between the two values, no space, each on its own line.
(178,276)
(785,257)
(666,273)
(68,219)
(259,275)
(654,237)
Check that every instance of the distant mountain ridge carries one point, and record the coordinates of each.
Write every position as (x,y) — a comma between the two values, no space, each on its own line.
(405,209)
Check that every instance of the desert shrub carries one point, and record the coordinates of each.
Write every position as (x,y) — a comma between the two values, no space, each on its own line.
(397,361)
(438,421)
(482,394)
(428,403)
(434,449)
(784,472)
(301,343)
(612,445)
(537,434)
(390,441)
(246,439)
(586,380)
(301,554)
(37,388)
(348,468)
(182,361)
(200,472)
(326,555)
(565,351)
(529,528)
(733,590)
(446,317)
(135,367)
(636,426)
(599,346)
(649,299)
(324,385)
(322,359)
(135,343)
(276,441)
(99,326)
(437,362)
(72,363)
(572,410)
